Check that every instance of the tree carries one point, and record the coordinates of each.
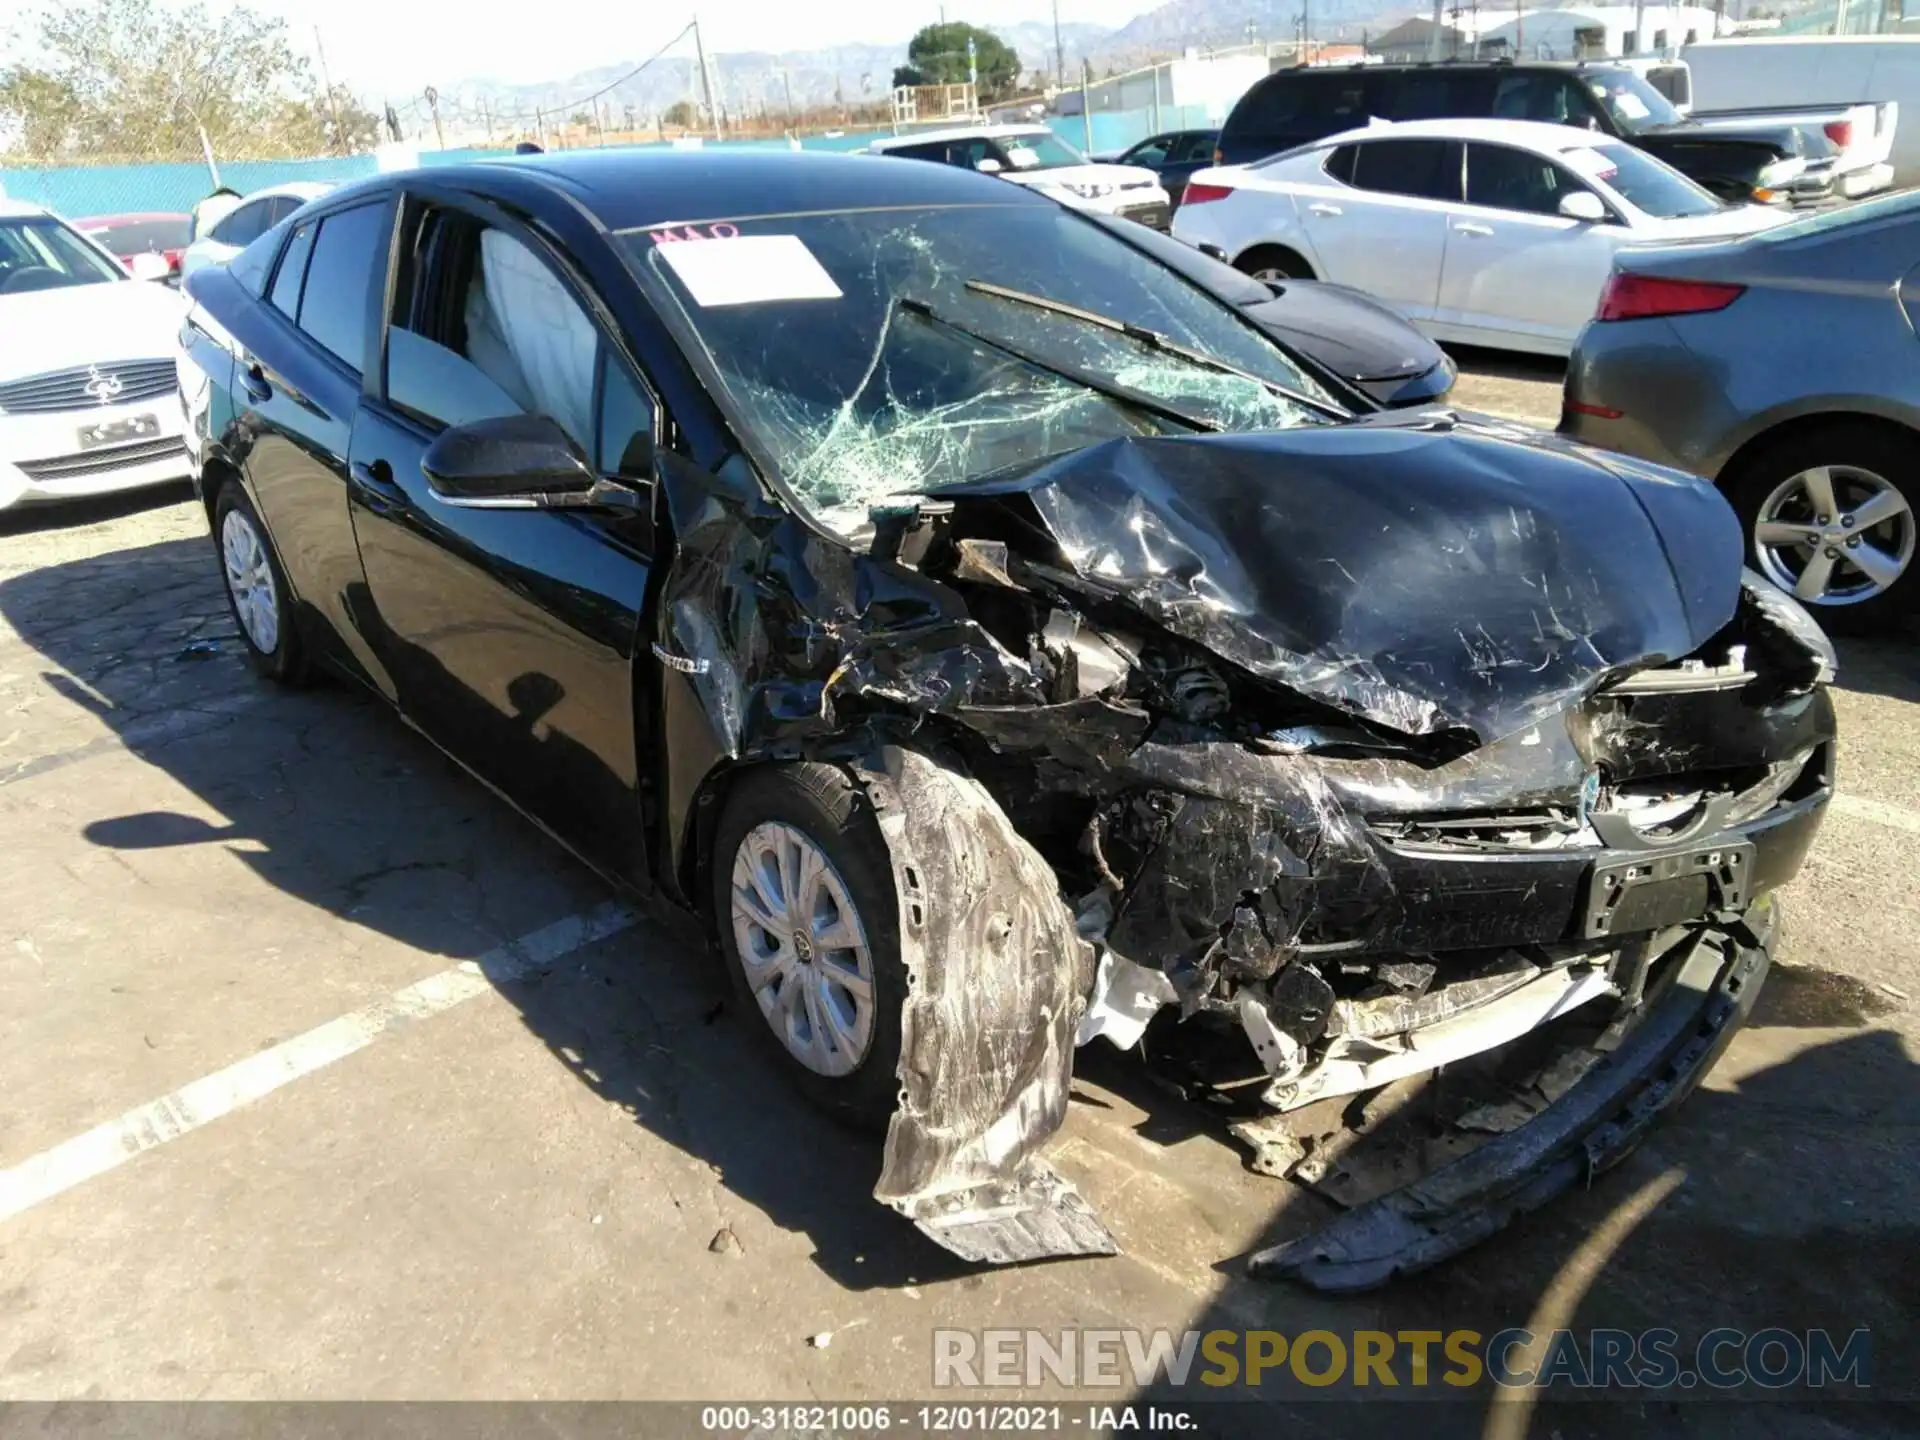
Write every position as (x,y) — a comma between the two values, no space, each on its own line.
(681,115)
(134,80)
(907,75)
(939,55)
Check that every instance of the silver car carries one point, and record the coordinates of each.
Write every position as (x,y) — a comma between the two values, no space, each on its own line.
(1786,367)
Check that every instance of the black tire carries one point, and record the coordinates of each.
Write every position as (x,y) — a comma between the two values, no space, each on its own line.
(823,804)
(1881,451)
(286,662)
(1274,260)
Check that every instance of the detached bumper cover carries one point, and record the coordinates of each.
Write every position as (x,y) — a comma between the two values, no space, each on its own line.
(1592,1127)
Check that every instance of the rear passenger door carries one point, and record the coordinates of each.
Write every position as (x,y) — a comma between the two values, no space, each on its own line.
(297,384)
(1517,271)
(1380,221)
(511,634)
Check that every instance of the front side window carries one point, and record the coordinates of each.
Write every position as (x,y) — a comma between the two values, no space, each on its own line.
(40,253)
(1633,103)
(1040,152)
(1153,154)
(1421,169)
(349,258)
(860,356)
(1504,178)
(1197,148)
(491,330)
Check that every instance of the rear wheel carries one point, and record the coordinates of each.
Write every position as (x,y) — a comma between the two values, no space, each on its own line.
(1273,263)
(804,899)
(257,589)
(1831,515)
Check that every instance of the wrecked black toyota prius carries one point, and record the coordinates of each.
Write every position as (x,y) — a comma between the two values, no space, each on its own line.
(999,645)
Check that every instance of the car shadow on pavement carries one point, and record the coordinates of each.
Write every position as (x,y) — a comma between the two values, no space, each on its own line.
(94,510)
(1886,664)
(1508,364)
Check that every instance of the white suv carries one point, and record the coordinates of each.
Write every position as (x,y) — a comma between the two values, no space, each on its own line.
(89,400)
(1033,156)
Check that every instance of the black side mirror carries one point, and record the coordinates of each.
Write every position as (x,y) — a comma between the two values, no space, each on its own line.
(511,462)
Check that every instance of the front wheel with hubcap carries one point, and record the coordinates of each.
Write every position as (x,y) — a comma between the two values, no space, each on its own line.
(1830,517)
(256,589)
(804,903)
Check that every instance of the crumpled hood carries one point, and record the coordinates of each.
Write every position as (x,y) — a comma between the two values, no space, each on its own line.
(1477,577)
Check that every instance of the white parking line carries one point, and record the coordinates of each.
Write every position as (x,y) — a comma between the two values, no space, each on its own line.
(1897,816)
(110,1145)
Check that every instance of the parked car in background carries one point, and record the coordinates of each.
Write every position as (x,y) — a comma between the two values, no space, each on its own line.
(223,230)
(1736,159)
(88,401)
(1356,339)
(1782,366)
(1174,157)
(1488,232)
(1033,156)
(993,643)
(1878,72)
(160,233)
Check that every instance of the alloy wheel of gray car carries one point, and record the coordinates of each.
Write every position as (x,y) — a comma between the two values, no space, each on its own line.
(803,948)
(1834,535)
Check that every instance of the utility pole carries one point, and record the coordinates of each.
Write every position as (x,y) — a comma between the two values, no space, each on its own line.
(333,105)
(1519,30)
(539,127)
(433,104)
(706,84)
(1433,43)
(1059,51)
(1640,24)
(786,82)
(1086,102)
(486,116)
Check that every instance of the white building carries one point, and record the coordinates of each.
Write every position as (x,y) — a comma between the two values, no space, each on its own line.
(1597,31)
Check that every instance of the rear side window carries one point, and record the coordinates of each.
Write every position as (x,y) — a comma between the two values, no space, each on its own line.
(1426,169)
(349,259)
(1195,147)
(1304,103)
(1438,95)
(245,225)
(1339,163)
(1547,97)
(285,295)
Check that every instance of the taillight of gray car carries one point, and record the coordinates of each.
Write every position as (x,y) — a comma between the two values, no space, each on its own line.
(1783,366)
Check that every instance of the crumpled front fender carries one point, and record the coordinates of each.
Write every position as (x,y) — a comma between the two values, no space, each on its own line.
(997,982)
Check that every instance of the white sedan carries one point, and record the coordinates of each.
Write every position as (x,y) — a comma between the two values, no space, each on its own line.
(1486,232)
(226,223)
(88,397)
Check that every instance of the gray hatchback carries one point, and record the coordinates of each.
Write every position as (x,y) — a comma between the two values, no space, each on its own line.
(1786,367)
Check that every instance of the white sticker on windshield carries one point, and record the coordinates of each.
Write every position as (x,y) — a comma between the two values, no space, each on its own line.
(747,270)
(1022,157)
(1590,163)
(1631,105)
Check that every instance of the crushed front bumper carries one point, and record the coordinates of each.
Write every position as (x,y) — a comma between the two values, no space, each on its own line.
(1590,1128)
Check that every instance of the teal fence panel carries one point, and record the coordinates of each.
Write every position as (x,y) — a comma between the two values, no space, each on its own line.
(78,190)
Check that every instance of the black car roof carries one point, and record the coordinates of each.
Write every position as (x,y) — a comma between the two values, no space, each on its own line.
(644,186)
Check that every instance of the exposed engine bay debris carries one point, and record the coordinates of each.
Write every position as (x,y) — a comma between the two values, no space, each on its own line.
(1377,756)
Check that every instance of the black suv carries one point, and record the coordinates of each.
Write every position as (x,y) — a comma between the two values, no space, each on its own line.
(1293,107)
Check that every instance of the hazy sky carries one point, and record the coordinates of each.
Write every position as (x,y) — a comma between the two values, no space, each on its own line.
(379,46)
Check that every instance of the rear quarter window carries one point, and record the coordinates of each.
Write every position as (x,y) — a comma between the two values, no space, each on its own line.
(349,259)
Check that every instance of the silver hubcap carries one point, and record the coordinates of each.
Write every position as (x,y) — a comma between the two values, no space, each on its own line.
(1834,535)
(1271,274)
(250,581)
(803,948)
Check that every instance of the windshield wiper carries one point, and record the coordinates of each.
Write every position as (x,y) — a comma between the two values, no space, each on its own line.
(1154,340)
(1125,394)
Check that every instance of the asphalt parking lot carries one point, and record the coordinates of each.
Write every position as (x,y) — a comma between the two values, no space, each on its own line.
(328,1077)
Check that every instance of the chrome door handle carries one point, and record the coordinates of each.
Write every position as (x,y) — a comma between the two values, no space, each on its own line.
(1468,227)
(1322,208)
(253,380)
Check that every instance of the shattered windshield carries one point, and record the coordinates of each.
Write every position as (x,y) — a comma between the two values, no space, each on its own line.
(861,362)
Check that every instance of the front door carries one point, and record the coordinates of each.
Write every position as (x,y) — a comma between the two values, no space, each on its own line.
(1517,272)
(510,633)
